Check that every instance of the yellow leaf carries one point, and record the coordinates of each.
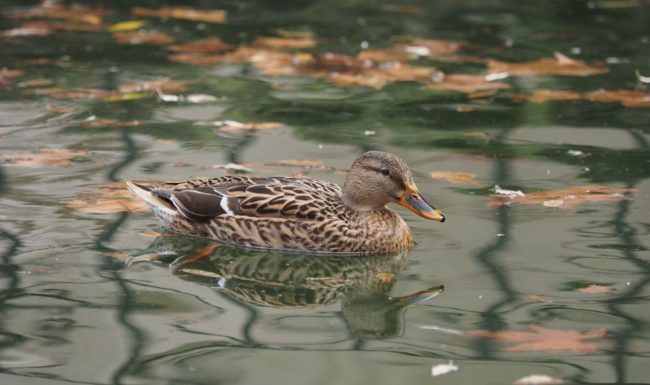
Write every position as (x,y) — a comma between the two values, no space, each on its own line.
(127,26)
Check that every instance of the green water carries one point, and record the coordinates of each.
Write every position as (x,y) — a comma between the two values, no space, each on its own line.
(73,311)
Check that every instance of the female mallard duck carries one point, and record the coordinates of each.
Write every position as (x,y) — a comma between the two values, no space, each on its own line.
(297,213)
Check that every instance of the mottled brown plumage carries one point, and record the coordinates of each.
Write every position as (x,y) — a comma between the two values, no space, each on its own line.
(297,213)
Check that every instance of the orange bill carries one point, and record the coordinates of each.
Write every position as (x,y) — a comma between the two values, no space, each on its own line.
(413,201)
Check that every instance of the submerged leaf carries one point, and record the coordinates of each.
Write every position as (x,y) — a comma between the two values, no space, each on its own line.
(143,37)
(45,157)
(548,340)
(455,177)
(108,198)
(285,42)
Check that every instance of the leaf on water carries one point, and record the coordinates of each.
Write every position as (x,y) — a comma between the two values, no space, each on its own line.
(53,10)
(538,298)
(39,82)
(595,289)
(456,177)
(541,96)
(232,125)
(630,99)
(127,25)
(154,234)
(306,163)
(467,84)
(105,123)
(233,167)
(6,74)
(195,58)
(508,193)
(412,50)
(563,198)
(557,65)
(542,339)
(143,37)
(118,255)
(164,85)
(213,45)
(107,198)
(285,42)
(216,16)
(45,157)
(538,379)
(441,369)
(29,29)
(294,34)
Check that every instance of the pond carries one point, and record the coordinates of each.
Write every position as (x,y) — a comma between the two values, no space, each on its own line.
(526,123)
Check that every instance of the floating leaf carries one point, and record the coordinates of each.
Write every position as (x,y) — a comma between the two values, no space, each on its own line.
(104,123)
(143,37)
(195,58)
(541,96)
(164,85)
(466,84)
(216,16)
(538,379)
(563,198)
(595,289)
(306,163)
(285,42)
(631,99)
(108,198)
(45,157)
(412,50)
(127,25)
(39,82)
(29,29)
(455,177)
(6,73)
(557,65)
(52,10)
(232,125)
(547,340)
(233,167)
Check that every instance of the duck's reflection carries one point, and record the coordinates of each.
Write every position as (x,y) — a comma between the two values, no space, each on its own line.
(263,278)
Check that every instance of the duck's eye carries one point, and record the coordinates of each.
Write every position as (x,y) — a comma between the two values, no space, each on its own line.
(385,171)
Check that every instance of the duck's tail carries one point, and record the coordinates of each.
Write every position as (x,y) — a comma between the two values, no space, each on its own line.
(161,206)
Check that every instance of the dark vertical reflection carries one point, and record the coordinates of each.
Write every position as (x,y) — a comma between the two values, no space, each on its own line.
(626,234)
(8,272)
(487,257)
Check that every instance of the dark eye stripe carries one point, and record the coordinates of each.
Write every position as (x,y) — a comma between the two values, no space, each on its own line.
(396,179)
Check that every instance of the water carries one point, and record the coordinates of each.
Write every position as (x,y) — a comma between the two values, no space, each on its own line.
(74,311)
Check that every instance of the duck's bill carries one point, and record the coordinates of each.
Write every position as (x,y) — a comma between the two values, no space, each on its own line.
(413,201)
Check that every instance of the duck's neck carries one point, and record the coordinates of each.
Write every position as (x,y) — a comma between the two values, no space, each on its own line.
(360,197)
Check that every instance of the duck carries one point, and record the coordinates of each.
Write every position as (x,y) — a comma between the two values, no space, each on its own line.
(297,214)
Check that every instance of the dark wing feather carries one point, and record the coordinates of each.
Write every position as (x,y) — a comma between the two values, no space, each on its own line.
(204,199)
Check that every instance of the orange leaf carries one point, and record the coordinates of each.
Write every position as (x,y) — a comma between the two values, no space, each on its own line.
(558,65)
(285,42)
(143,37)
(467,84)
(195,58)
(50,10)
(541,96)
(216,16)
(547,340)
(455,177)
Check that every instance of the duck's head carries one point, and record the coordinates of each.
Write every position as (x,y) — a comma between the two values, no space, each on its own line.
(378,178)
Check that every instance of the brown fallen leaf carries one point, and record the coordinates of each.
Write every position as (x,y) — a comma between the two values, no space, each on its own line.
(143,37)
(107,198)
(53,10)
(595,289)
(216,16)
(285,42)
(294,34)
(6,73)
(557,65)
(631,99)
(547,340)
(306,163)
(270,62)
(59,26)
(39,82)
(232,125)
(164,85)
(467,84)
(541,96)
(538,379)
(412,50)
(104,123)
(28,30)
(195,58)
(456,177)
(538,298)
(45,157)
(212,45)
(563,198)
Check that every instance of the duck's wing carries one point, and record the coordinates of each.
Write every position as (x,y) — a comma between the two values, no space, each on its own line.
(290,198)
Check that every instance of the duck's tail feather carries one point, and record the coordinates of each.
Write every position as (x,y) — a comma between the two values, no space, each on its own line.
(157,201)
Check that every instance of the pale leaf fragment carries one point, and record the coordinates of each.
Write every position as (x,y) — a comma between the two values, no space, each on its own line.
(538,379)
(441,369)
